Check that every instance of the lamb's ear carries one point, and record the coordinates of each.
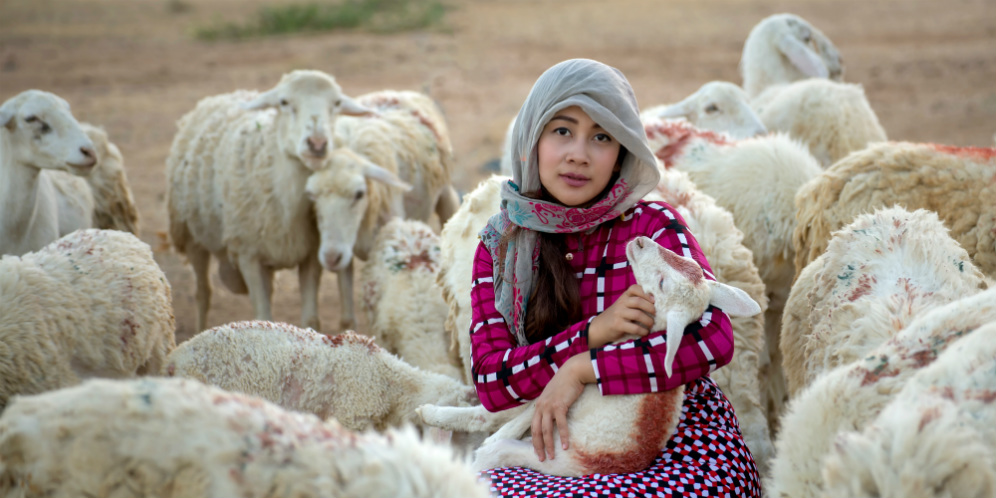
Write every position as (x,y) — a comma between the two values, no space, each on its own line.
(803,57)
(679,109)
(7,113)
(676,322)
(350,107)
(374,172)
(264,100)
(733,301)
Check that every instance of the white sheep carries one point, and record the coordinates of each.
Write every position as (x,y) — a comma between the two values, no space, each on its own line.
(602,428)
(235,187)
(404,304)
(732,172)
(784,48)
(397,163)
(937,438)
(114,207)
(716,106)
(878,274)
(848,397)
(91,304)
(41,143)
(176,438)
(955,182)
(346,376)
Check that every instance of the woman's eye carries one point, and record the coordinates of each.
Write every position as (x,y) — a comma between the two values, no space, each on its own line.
(562,131)
(602,137)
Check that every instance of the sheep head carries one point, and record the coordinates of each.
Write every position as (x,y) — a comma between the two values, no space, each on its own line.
(788,38)
(307,104)
(717,106)
(40,131)
(681,291)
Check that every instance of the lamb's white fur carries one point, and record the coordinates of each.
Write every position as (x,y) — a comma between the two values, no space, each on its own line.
(395,164)
(91,304)
(40,140)
(878,273)
(716,106)
(346,376)
(179,438)
(958,183)
(850,396)
(783,48)
(403,302)
(936,439)
(732,173)
(114,208)
(235,187)
(605,437)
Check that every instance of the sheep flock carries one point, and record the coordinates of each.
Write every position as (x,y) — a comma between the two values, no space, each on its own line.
(859,272)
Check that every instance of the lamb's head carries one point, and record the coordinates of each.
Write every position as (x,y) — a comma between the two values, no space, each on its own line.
(802,51)
(350,195)
(681,291)
(717,106)
(39,130)
(307,104)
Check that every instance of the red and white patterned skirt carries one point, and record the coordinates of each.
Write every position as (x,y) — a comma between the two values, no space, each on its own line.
(706,456)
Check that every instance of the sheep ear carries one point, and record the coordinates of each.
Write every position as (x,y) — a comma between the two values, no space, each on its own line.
(803,57)
(374,172)
(733,301)
(676,323)
(679,109)
(264,100)
(350,107)
(7,113)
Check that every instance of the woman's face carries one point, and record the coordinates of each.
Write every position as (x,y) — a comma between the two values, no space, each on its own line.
(576,157)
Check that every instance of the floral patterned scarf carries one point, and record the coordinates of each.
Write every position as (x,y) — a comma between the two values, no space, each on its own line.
(605,95)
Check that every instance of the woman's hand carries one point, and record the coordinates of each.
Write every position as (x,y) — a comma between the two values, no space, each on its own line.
(633,313)
(552,405)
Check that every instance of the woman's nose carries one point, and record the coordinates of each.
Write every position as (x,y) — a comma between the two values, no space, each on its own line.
(577,153)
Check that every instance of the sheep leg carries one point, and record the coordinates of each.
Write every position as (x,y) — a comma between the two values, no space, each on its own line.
(200,259)
(347,321)
(259,280)
(309,277)
(447,204)
(465,418)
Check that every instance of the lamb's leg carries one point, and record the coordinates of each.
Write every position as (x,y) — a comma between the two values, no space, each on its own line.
(345,276)
(466,418)
(200,259)
(447,204)
(259,279)
(230,275)
(309,276)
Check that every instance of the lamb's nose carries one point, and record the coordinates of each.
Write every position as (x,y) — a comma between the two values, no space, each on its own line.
(639,243)
(318,145)
(90,155)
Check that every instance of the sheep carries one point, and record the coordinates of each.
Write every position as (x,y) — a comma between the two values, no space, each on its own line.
(784,48)
(114,207)
(404,304)
(91,304)
(850,396)
(733,172)
(180,438)
(346,376)
(604,438)
(396,164)
(718,106)
(39,140)
(878,273)
(955,182)
(936,439)
(235,187)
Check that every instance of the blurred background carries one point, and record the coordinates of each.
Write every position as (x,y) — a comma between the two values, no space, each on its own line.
(135,67)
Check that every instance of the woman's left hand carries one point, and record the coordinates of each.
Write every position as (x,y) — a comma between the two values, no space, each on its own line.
(552,405)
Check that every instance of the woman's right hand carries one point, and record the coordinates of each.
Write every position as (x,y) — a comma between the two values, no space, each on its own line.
(633,314)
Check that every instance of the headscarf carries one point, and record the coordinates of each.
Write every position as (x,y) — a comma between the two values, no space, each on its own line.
(605,95)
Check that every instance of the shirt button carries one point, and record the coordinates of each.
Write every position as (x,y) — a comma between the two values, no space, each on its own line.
(569,257)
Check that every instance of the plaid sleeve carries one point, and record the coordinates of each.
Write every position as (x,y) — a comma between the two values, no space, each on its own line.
(637,366)
(506,374)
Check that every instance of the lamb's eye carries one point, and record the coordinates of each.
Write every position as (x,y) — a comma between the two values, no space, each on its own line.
(660,285)
(31,119)
(338,103)
(359,195)
(284,102)
(711,108)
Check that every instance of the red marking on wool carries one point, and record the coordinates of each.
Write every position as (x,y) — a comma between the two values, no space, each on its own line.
(421,259)
(656,419)
(171,370)
(351,338)
(986,396)
(688,269)
(981,153)
(933,413)
(872,376)
(923,358)
(680,133)
(863,288)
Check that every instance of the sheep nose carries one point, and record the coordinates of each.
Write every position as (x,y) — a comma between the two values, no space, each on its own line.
(639,243)
(90,155)
(318,145)
(332,259)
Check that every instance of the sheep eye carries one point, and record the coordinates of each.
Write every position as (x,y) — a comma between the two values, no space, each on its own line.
(338,102)
(358,196)
(31,119)
(284,102)
(45,128)
(711,108)
(660,285)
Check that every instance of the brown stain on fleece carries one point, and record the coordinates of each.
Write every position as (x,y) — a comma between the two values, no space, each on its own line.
(680,134)
(655,422)
(349,338)
(863,288)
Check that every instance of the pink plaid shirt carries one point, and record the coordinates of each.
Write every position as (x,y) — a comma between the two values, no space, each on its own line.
(506,374)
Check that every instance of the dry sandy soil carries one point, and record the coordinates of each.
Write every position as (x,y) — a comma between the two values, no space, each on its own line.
(132,66)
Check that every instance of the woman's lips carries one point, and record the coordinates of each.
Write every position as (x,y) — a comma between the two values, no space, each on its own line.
(575,180)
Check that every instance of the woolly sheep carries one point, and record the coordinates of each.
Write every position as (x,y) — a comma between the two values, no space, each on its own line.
(732,172)
(179,438)
(936,439)
(878,273)
(404,304)
(235,187)
(603,437)
(783,48)
(395,164)
(716,106)
(91,304)
(955,182)
(41,143)
(850,396)
(346,376)
(114,207)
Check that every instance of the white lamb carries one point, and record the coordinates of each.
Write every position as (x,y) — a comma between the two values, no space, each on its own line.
(955,182)
(604,437)
(177,438)
(41,143)
(114,207)
(936,439)
(235,187)
(395,164)
(346,376)
(91,304)
(877,275)
(716,106)
(404,304)
(734,173)
(849,397)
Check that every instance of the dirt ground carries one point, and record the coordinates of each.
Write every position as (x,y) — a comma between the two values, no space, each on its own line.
(133,66)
